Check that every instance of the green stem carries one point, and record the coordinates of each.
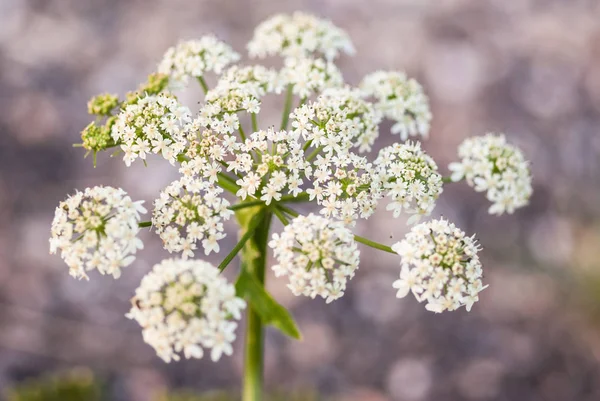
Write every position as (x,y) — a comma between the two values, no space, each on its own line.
(242,133)
(252,226)
(203,84)
(301,197)
(254,122)
(374,244)
(254,258)
(447,180)
(357,238)
(243,205)
(143,224)
(287,107)
(227,184)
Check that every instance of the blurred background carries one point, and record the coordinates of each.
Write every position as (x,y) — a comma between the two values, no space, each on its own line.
(530,68)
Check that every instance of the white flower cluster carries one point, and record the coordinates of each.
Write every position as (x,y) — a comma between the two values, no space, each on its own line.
(207,152)
(318,255)
(187,306)
(188,211)
(346,186)
(256,79)
(308,76)
(155,124)
(439,265)
(268,163)
(299,35)
(411,179)
(401,100)
(337,121)
(491,164)
(194,58)
(97,230)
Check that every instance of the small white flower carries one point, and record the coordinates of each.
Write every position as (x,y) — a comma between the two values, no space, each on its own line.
(490,164)
(440,266)
(401,100)
(318,255)
(299,35)
(410,178)
(154,124)
(97,230)
(189,211)
(308,76)
(186,306)
(338,121)
(194,58)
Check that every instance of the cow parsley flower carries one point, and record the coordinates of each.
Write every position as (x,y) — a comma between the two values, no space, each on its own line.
(220,113)
(186,306)
(257,79)
(346,186)
(489,163)
(299,35)
(308,76)
(97,230)
(337,121)
(194,58)
(411,179)
(189,211)
(270,164)
(318,255)
(439,265)
(154,124)
(401,100)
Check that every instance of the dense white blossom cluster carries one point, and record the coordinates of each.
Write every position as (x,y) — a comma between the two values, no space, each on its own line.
(97,230)
(269,164)
(439,265)
(401,100)
(190,211)
(299,35)
(194,58)
(186,306)
(256,79)
(308,76)
(317,254)
(411,179)
(346,186)
(338,121)
(154,124)
(489,163)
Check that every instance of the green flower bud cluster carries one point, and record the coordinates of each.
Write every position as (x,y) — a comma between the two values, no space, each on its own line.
(97,137)
(103,105)
(156,84)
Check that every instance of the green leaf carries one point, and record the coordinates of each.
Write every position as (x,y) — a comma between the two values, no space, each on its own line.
(269,310)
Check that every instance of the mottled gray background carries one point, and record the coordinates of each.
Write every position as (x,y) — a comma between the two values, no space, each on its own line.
(530,68)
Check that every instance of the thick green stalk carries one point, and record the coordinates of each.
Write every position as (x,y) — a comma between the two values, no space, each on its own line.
(254,261)
(287,107)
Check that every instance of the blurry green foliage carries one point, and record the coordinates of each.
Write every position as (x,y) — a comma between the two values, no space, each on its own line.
(81,385)
(221,396)
(77,385)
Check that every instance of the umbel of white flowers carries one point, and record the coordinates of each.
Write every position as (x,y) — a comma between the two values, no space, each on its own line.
(320,154)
